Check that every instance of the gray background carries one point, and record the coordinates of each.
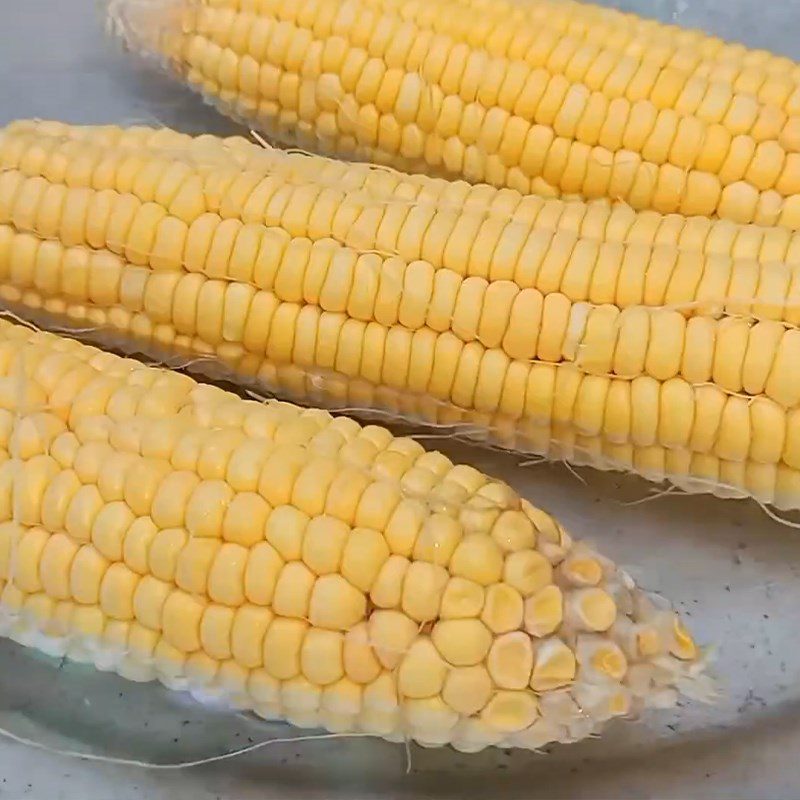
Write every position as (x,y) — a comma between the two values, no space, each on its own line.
(733,570)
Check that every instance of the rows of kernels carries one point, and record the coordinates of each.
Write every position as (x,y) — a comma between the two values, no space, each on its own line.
(422,107)
(732,355)
(507,120)
(661,398)
(389,290)
(538,431)
(689,51)
(22,258)
(439,292)
(580,30)
(183,616)
(185,184)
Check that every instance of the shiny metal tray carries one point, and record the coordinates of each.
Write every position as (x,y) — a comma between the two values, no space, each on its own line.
(730,568)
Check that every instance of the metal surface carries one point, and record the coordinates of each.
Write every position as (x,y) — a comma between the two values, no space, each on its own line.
(733,571)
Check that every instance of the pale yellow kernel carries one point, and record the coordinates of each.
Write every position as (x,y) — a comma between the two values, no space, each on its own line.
(528,571)
(117,591)
(64,448)
(264,564)
(611,661)
(478,558)
(321,657)
(648,642)
(423,587)
(31,480)
(462,642)
(387,590)
(324,543)
(86,574)
(509,711)
(378,502)
(554,666)
(215,631)
(248,459)
(88,622)
(32,435)
(57,499)
(226,576)
(83,509)
(171,498)
(544,611)
(603,657)
(181,618)
(163,551)
(467,689)
(390,635)
(245,519)
(336,604)
(206,508)
(55,563)
(194,564)
(593,609)
(414,482)
(141,483)
(582,570)
(293,590)
(136,545)
(250,625)
(285,529)
(26,548)
(360,663)
(438,539)
(513,531)
(364,555)
(503,608)
(282,645)
(12,598)
(345,493)
(462,598)
(281,468)
(404,526)
(232,680)
(111,481)
(110,528)
(422,671)
(510,660)
(312,484)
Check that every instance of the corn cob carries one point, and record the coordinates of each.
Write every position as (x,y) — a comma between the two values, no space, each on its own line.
(302,566)
(540,97)
(325,282)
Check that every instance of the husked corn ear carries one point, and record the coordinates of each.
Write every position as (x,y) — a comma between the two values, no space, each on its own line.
(476,230)
(544,99)
(663,359)
(354,597)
